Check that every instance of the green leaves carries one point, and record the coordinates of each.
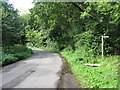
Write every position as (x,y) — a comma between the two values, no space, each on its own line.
(104,76)
(11,54)
(10,24)
(74,25)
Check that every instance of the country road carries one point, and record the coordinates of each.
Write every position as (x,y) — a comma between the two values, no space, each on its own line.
(42,70)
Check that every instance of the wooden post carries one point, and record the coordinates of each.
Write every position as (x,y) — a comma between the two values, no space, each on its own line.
(102,47)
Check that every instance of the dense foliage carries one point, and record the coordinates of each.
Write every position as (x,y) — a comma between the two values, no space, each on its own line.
(14,53)
(61,25)
(75,29)
(13,25)
(12,35)
(9,24)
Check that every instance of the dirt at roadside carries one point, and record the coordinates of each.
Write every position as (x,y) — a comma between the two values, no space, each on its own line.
(67,80)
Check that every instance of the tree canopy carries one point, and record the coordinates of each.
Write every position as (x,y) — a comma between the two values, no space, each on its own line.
(74,24)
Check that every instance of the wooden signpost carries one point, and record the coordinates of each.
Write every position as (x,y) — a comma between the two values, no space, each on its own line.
(103,44)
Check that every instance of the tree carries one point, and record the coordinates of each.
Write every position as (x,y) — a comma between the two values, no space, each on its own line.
(10,24)
(76,24)
(23,21)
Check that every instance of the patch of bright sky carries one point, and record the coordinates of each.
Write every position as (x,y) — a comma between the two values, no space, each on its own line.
(22,5)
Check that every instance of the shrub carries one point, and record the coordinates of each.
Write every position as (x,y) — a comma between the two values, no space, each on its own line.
(14,49)
(8,59)
(14,53)
(22,55)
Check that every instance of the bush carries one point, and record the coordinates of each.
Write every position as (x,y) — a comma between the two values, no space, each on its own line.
(14,53)
(8,59)
(22,55)
(14,49)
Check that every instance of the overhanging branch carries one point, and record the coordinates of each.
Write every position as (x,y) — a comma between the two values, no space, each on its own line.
(78,7)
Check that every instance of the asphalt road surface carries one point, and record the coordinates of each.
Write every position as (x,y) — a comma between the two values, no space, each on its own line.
(42,70)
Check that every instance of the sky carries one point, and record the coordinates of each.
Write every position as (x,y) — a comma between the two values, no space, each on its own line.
(22,5)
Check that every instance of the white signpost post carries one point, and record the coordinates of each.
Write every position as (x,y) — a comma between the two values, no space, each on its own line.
(103,44)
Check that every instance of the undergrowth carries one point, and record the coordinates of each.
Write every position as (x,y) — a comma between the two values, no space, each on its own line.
(104,76)
(11,54)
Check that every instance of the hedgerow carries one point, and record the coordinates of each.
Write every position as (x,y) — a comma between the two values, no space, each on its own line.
(11,54)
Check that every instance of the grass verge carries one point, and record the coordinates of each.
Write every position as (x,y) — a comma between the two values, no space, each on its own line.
(104,76)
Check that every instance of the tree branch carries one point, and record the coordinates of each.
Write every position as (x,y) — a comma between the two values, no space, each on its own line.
(77,7)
